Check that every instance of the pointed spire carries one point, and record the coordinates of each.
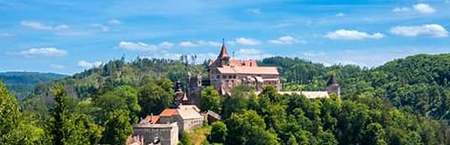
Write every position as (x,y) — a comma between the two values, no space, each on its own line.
(223,51)
(332,80)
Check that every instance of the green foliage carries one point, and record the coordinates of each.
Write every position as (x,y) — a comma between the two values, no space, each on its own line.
(69,127)
(15,127)
(210,100)
(218,132)
(117,110)
(248,128)
(240,99)
(23,83)
(155,95)
(185,140)
(418,84)
(293,119)
(117,127)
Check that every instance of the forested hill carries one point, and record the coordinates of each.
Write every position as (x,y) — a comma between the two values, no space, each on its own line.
(23,83)
(417,83)
(405,101)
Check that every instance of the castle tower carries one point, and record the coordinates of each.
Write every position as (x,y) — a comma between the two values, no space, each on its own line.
(180,95)
(333,86)
(223,57)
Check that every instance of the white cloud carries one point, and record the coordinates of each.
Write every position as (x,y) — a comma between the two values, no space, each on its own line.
(87,65)
(101,27)
(188,44)
(35,25)
(343,34)
(43,52)
(424,8)
(114,22)
(254,11)
(41,26)
(141,46)
(252,53)
(286,40)
(247,41)
(165,45)
(433,30)
(199,43)
(401,9)
(61,27)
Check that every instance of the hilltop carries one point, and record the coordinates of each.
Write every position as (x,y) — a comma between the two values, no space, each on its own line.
(23,83)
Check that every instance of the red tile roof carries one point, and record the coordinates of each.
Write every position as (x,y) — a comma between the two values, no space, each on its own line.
(152,119)
(168,112)
(248,70)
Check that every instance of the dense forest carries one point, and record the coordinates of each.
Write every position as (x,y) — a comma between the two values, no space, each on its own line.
(23,83)
(405,101)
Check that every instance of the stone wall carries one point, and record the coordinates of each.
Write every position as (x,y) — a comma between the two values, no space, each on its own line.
(166,133)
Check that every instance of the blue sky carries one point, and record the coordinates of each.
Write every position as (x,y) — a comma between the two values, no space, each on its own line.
(67,36)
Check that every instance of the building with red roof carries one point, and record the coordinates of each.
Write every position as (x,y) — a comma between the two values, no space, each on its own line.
(226,73)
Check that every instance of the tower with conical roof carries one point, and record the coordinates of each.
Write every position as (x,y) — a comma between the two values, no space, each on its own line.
(223,57)
(333,86)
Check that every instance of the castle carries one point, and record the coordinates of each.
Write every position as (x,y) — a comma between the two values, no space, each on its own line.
(226,73)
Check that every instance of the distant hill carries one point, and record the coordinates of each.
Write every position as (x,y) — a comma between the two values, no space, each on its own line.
(22,83)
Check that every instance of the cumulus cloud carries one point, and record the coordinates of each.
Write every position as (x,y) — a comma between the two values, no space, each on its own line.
(344,34)
(422,8)
(87,65)
(286,40)
(433,30)
(247,41)
(43,52)
(200,43)
(41,26)
(252,53)
(141,46)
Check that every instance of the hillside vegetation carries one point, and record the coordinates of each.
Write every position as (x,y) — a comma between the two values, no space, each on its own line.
(405,101)
(23,83)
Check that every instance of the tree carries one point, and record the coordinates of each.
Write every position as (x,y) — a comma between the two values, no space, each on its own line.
(119,98)
(374,134)
(240,99)
(117,109)
(218,132)
(16,129)
(210,100)
(117,127)
(59,116)
(70,127)
(248,128)
(155,95)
